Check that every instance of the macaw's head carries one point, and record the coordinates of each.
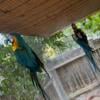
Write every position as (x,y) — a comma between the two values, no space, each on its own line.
(14,39)
(13,35)
(74,27)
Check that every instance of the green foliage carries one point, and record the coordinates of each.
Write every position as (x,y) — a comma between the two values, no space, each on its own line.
(91,24)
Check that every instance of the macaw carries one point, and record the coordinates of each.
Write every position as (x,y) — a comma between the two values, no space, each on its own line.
(80,38)
(27,57)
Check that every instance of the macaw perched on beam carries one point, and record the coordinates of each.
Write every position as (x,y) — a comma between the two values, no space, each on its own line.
(27,57)
(80,38)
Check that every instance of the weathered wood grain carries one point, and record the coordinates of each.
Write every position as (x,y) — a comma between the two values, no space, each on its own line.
(43,17)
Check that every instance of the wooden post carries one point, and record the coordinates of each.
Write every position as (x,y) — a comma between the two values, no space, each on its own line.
(58,86)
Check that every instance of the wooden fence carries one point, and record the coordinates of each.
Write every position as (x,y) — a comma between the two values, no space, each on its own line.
(72,74)
(7,98)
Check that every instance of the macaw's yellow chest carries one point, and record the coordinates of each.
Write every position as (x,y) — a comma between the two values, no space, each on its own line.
(15,44)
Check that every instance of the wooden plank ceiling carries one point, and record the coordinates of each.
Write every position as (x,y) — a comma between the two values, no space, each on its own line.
(42,17)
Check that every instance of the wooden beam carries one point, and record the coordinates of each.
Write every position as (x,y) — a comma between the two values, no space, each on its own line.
(43,17)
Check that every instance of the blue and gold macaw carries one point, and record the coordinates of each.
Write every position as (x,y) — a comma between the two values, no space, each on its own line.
(80,38)
(27,57)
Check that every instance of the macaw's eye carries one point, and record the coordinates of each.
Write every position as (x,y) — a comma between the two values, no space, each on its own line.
(10,38)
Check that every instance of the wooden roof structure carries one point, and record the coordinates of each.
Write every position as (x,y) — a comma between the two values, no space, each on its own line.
(42,17)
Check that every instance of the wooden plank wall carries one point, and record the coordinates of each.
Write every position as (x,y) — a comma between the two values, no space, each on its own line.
(43,17)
